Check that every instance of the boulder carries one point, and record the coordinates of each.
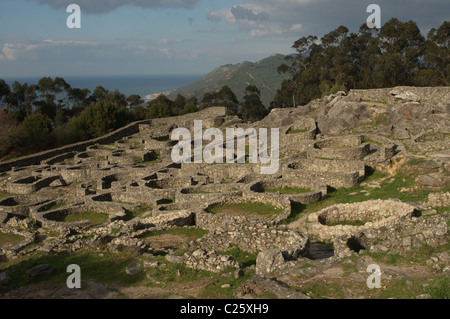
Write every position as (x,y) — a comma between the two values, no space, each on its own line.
(269,261)
(39,270)
(174,259)
(133,269)
(404,95)
(432,180)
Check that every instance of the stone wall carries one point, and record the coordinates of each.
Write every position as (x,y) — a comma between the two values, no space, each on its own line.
(35,159)
(373,213)
(412,233)
(249,235)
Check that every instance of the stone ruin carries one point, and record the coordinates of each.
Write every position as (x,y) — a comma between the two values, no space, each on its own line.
(131,170)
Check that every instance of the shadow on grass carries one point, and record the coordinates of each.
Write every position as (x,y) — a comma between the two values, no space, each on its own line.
(107,269)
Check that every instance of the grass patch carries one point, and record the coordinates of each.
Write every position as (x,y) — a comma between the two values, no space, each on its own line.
(247,259)
(288,190)
(389,188)
(93,218)
(326,290)
(247,208)
(10,240)
(132,214)
(107,269)
(4,195)
(439,287)
(214,290)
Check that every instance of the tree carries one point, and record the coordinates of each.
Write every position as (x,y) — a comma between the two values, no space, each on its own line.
(437,54)
(223,97)
(10,132)
(37,128)
(4,91)
(134,100)
(252,109)
(102,118)
(295,65)
(162,106)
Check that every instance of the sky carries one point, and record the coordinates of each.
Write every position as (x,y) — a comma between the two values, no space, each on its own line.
(176,37)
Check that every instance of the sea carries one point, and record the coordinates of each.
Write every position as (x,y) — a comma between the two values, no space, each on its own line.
(145,86)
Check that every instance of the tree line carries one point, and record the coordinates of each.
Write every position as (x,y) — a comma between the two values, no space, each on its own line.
(35,117)
(397,54)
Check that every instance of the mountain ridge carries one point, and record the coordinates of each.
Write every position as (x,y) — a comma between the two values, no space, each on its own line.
(262,73)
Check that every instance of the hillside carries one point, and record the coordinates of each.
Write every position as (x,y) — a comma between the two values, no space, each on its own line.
(263,74)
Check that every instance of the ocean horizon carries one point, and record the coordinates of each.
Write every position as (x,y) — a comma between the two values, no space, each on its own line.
(142,85)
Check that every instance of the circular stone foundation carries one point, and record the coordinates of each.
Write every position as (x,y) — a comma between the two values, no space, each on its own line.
(78,216)
(252,205)
(296,190)
(345,219)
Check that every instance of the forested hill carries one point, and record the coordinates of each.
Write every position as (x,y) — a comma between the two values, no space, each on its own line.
(263,74)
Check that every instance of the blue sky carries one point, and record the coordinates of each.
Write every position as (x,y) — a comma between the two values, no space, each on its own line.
(155,37)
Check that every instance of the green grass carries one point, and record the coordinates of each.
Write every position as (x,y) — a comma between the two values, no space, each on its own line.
(247,259)
(214,290)
(248,208)
(94,218)
(4,195)
(439,287)
(132,214)
(389,188)
(288,190)
(9,240)
(326,290)
(107,269)
(417,255)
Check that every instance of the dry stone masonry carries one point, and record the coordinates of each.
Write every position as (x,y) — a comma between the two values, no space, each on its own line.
(117,191)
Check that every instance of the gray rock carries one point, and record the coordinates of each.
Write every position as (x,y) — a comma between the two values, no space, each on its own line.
(40,270)
(174,259)
(133,269)
(431,180)
(269,261)
(4,279)
(278,288)
(150,264)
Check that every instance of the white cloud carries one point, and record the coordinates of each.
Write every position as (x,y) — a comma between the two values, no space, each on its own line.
(296,27)
(18,50)
(168,41)
(8,52)
(167,52)
(105,6)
